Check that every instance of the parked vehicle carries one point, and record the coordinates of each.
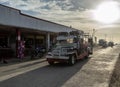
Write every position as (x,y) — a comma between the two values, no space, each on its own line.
(70,47)
(103,43)
(38,52)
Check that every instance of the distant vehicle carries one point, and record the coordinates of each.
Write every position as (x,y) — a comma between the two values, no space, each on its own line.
(70,47)
(103,43)
(116,43)
(111,43)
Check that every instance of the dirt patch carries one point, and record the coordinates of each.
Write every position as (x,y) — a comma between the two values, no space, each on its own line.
(115,78)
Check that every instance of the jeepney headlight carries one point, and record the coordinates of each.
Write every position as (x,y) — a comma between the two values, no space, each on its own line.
(49,54)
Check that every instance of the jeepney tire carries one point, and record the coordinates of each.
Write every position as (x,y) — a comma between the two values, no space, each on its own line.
(90,53)
(72,60)
(87,56)
(51,63)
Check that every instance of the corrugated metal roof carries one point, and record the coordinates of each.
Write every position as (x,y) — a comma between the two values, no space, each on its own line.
(13,17)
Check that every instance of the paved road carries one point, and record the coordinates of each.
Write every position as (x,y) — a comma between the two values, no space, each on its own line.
(92,72)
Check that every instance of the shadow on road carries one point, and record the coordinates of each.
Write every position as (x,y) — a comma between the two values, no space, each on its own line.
(47,76)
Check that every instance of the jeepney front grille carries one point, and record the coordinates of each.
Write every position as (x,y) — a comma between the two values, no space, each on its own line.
(56,53)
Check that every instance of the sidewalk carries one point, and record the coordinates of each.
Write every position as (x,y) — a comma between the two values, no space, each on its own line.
(13,61)
(16,67)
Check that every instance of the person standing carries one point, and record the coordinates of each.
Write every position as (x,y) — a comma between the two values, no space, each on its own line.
(21,47)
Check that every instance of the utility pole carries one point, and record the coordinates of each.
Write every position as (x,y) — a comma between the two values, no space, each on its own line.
(105,36)
(93,34)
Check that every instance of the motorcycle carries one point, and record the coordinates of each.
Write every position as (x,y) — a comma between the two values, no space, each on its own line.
(38,52)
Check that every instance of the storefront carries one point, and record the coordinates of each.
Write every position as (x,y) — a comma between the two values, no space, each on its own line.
(11,36)
(7,38)
(33,41)
(20,32)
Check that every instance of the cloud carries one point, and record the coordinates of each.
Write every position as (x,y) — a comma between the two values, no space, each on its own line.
(70,12)
(60,11)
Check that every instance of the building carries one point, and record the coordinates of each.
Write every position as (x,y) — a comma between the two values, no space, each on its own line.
(16,26)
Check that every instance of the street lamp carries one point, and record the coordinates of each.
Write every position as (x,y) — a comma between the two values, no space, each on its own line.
(93,34)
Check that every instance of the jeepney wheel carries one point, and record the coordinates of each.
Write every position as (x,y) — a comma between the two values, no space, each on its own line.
(72,60)
(51,63)
(87,56)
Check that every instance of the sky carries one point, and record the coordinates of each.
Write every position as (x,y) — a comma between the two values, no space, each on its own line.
(75,13)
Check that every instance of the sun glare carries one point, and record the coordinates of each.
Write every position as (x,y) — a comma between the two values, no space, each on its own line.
(107,12)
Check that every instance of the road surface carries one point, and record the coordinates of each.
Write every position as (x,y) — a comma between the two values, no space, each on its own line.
(92,72)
